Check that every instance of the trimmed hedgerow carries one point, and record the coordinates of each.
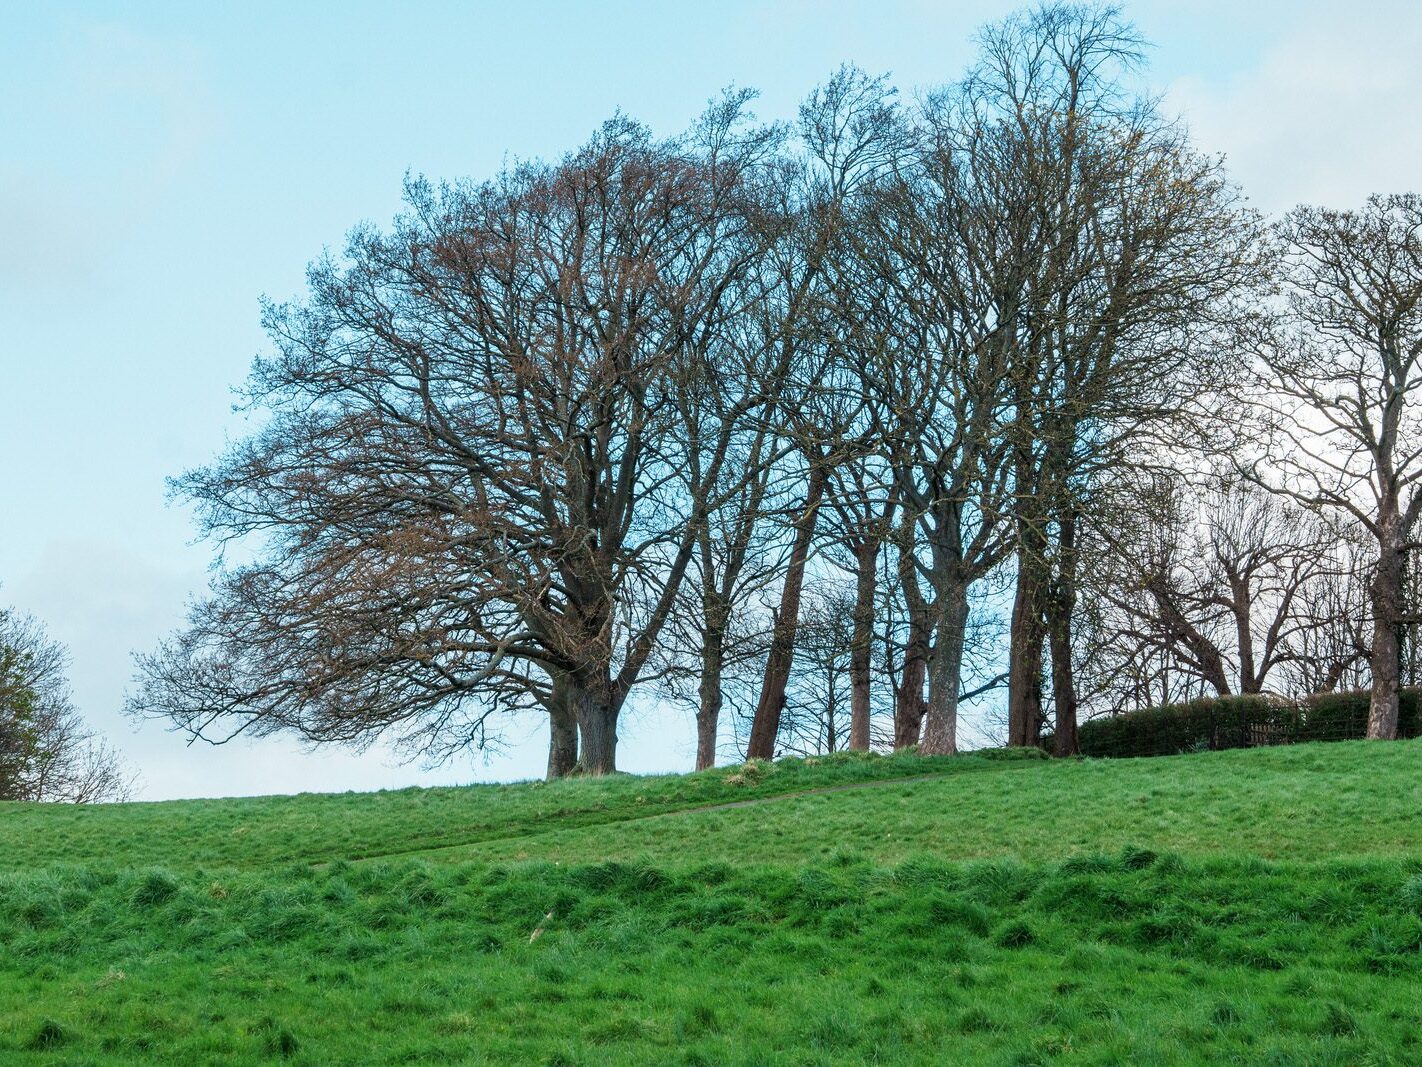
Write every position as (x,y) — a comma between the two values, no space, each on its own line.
(1344,716)
(1214,723)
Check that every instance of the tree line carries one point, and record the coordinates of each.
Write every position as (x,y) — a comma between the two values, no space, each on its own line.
(825,430)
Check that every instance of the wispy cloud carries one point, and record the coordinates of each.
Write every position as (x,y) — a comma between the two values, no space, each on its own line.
(1328,113)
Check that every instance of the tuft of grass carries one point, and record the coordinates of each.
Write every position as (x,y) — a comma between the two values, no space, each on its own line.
(1016,933)
(1411,893)
(48,1035)
(153,889)
(975,1021)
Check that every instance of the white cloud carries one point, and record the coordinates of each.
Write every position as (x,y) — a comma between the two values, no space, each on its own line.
(1328,114)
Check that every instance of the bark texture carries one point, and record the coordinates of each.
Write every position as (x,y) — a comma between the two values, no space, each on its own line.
(766,724)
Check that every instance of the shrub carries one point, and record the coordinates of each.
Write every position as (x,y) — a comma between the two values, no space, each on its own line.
(1013,753)
(1213,723)
(1198,726)
(1344,716)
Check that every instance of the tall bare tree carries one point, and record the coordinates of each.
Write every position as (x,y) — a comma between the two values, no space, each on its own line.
(846,129)
(1136,242)
(718,626)
(931,363)
(1217,585)
(863,506)
(1335,388)
(818,715)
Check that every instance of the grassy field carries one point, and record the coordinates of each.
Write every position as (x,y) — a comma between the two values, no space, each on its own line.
(1259,906)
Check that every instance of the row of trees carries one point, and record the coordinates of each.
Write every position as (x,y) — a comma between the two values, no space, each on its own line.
(824,429)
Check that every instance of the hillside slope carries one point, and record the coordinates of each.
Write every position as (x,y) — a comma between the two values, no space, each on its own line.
(1255,906)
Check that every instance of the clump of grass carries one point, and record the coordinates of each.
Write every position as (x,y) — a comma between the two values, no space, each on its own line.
(155,887)
(833,1031)
(752,772)
(1015,933)
(1134,858)
(1411,893)
(1224,1014)
(975,1021)
(47,1036)
(950,910)
(702,1019)
(1338,1020)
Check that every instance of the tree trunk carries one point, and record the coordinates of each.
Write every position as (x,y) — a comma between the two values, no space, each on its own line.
(1024,667)
(945,671)
(766,724)
(1065,742)
(710,697)
(597,730)
(861,645)
(1387,610)
(1209,661)
(562,734)
(1061,607)
(909,705)
(1249,680)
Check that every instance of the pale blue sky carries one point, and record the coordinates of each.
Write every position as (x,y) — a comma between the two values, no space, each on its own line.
(163,165)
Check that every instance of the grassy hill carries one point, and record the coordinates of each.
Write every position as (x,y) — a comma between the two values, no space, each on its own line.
(1260,906)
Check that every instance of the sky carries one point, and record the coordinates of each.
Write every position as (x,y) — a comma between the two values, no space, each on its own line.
(164,166)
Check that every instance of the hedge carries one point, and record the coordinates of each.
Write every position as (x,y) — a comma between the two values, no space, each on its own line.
(1239,722)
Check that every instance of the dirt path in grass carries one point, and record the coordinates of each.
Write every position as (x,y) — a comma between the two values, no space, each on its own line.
(618,820)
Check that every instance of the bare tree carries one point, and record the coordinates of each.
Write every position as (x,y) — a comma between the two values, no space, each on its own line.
(1131,244)
(1332,649)
(470,484)
(908,637)
(1335,388)
(1216,586)
(847,130)
(619,419)
(928,347)
(718,626)
(818,713)
(863,507)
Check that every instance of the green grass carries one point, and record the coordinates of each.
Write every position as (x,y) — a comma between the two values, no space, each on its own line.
(315,827)
(1260,906)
